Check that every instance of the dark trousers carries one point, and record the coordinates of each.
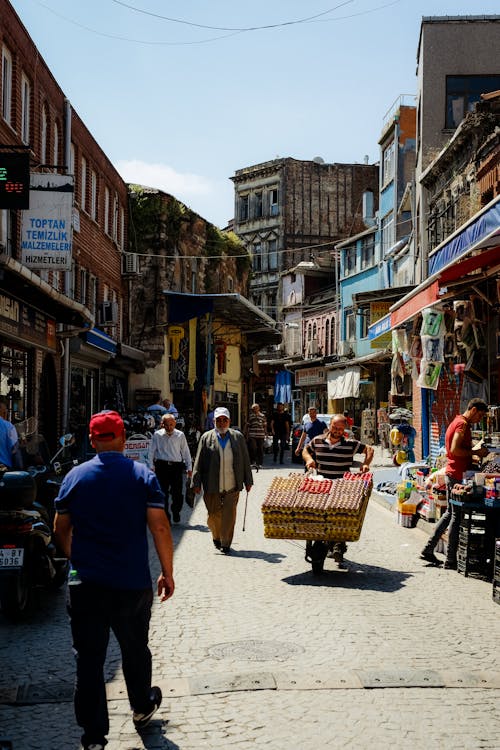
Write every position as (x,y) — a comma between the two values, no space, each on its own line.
(449,520)
(170,476)
(256,450)
(279,443)
(94,611)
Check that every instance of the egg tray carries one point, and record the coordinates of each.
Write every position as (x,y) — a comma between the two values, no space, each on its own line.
(289,513)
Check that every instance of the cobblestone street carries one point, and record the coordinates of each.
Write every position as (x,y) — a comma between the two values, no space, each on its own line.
(253,651)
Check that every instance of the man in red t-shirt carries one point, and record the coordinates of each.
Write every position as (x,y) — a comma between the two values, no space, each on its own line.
(459,454)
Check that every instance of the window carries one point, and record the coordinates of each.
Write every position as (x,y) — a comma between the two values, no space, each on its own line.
(368,253)
(388,163)
(82,282)
(271,305)
(462,92)
(25,109)
(387,232)
(364,323)
(93,195)
(243,213)
(230,284)
(327,337)
(273,202)
(92,295)
(83,194)
(258,205)
(273,254)
(43,135)
(257,257)
(349,261)
(122,228)
(106,210)
(55,158)
(6,85)
(6,231)
(115,218)
(350,326)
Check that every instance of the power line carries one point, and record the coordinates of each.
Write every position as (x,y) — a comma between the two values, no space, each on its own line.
(229,28)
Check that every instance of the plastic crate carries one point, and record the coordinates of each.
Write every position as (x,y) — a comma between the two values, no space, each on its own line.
(496,594)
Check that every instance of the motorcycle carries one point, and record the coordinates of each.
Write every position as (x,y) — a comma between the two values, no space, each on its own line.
(28,556)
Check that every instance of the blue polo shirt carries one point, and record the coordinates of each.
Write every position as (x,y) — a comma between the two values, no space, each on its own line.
(313,429)
(107,499)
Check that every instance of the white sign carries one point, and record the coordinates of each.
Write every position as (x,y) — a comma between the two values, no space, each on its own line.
(46,231)
(138,449)
(310,376)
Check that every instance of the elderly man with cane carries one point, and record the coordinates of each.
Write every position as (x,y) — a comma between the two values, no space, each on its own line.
(222,468)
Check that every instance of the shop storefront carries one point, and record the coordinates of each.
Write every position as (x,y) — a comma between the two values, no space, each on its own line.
(446,332)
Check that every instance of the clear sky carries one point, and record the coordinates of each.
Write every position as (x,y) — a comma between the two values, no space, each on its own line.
(181,104)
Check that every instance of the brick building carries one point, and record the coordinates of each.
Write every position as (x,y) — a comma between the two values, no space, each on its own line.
(62,316)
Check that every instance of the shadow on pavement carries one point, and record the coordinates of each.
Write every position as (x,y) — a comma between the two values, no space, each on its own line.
(357,576)
(270,557)
(154,738)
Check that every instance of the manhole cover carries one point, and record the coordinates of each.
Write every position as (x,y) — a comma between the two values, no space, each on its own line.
(254,650)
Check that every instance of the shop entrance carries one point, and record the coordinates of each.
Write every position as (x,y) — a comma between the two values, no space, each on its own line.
(47,405)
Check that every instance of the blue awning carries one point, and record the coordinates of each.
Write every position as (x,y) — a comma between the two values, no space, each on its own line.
(100,340)
(481,232)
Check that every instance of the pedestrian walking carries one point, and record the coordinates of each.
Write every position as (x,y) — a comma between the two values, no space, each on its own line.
(103,510)
(256,430)
(311,428)
(170,457)
(222,468)
(459,455)
(10,454)
(332,454)
(280,430)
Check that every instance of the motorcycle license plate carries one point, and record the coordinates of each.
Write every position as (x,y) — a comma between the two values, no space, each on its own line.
(11,557)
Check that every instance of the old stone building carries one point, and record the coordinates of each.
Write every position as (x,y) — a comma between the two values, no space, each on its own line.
(287,210)
(187,283)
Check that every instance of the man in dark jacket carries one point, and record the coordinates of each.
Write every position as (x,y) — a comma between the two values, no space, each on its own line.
(222,468)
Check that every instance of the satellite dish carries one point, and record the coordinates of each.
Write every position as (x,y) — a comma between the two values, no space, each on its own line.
(318,160)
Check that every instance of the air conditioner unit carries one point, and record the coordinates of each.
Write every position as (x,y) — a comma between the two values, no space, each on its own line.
(130,263)
(107,313)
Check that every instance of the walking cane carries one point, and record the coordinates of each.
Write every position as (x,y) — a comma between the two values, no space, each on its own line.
(245,512)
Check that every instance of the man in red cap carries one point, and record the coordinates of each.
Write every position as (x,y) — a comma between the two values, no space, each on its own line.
(103,511)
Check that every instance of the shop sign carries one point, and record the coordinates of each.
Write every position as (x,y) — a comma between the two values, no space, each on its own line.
(379,333)
(25,323)
(137,448)
(310,376)
(46,230)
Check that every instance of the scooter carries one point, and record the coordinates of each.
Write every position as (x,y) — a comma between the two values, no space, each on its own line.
(28,556)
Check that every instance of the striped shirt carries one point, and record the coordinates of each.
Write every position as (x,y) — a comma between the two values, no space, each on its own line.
(334,460)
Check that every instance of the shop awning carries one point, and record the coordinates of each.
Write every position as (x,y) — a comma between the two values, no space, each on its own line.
(100,340)
(427,295)
(231,308)
(343,383)
(473,248)
(481,232)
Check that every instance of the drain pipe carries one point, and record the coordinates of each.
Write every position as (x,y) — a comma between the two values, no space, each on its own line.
(68,274)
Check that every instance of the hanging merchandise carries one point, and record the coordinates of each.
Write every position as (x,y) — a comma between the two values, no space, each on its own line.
(429,374)
(432,322)
(433,348)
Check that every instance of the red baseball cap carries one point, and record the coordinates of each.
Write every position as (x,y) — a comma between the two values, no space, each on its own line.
(106,425)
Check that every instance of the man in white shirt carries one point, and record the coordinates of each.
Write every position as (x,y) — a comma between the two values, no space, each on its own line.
(169,457)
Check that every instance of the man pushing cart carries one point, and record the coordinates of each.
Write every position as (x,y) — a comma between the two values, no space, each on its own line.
(326,511)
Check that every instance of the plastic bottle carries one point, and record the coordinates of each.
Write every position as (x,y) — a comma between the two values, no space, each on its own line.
(74,578)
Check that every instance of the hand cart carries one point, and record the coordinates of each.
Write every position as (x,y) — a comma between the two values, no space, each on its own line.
(317,510)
